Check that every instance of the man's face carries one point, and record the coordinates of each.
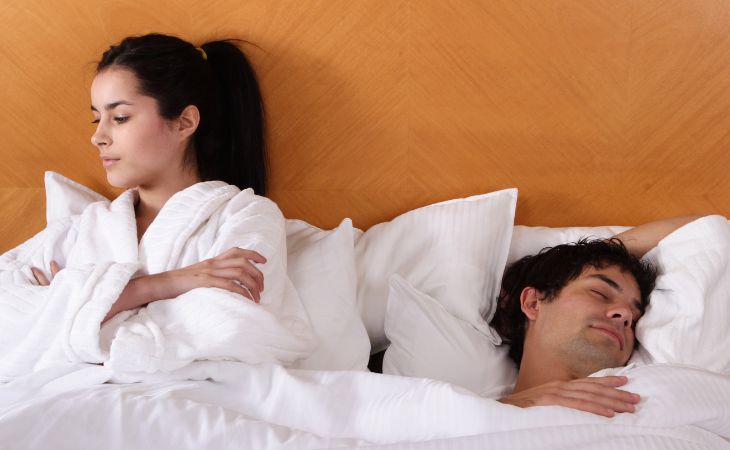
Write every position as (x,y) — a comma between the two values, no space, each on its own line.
(589,325)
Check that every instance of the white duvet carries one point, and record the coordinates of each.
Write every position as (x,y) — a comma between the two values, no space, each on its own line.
(236,405)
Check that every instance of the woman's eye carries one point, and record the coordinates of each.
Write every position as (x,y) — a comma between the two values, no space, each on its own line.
(599,293)
(121,119)
(95,121)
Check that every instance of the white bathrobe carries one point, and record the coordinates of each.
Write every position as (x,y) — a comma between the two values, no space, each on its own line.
(96,246)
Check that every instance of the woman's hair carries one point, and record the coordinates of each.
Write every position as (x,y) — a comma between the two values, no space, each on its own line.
(218,79)
(550,271)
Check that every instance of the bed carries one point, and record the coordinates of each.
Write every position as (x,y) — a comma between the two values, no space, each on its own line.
(398,133)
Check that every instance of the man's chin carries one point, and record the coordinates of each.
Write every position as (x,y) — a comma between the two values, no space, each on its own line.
(585,357)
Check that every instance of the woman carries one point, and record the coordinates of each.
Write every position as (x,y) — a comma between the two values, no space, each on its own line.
(182,128)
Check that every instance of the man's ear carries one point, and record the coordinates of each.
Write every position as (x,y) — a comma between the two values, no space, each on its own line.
(530,302)
(188,121)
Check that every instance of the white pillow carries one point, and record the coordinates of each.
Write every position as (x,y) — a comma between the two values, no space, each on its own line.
(321,265)
(688,317)
(65,197)
(426,341)
(530,240)
(454,251)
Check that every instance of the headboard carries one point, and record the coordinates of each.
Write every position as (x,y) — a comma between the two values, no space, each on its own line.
(599,112)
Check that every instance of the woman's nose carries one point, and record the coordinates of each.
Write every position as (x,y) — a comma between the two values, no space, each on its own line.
(100,138)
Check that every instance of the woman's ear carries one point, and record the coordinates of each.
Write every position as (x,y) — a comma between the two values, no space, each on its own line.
(530,303)
(188,121)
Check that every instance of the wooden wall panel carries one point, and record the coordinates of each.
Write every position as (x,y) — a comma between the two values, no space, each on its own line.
(600,112)
(23,215)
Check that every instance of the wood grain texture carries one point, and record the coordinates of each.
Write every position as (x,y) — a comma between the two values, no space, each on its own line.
(23,214)
(600,112)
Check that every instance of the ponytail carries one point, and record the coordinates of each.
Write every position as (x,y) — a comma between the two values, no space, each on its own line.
(229,144)
(242,120)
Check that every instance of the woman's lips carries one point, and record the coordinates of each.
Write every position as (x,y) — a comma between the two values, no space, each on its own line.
(613,333)
(108,162)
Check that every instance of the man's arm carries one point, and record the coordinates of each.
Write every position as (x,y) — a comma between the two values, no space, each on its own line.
(597,395)
(639,240)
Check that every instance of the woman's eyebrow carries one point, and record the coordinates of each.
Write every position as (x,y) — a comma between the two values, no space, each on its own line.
(112,105)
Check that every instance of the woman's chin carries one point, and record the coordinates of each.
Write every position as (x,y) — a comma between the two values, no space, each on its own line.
(118,182)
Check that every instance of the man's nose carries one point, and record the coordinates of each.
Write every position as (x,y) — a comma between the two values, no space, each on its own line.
(622,314)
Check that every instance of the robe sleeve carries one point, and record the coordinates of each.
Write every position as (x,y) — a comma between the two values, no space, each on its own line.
(45,325)
(255,223)
(216,324)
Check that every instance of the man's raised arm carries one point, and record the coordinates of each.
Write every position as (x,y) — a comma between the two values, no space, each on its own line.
(639,240)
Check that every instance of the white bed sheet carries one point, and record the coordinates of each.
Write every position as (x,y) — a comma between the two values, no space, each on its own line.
(573,437)
(235,405)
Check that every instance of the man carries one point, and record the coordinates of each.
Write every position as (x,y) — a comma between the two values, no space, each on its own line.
(571,311)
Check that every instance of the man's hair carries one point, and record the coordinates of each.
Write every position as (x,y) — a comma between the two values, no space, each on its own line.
(550,271)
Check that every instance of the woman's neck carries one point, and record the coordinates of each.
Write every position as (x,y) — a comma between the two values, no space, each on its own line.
(151,199)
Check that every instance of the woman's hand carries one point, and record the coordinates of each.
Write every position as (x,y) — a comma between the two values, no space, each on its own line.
(597,395)
(232,270)
(41,278)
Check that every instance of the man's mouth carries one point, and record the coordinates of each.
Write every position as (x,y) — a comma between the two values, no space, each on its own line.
(611,332)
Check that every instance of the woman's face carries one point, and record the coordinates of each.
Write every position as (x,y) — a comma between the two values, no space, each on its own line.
(137,146)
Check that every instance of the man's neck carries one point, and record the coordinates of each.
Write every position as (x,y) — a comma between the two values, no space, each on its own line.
(538,367)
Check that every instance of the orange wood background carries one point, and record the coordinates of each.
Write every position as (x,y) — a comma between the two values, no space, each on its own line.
(599,111)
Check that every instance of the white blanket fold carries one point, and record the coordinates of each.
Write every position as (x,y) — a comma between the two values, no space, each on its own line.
(236,405)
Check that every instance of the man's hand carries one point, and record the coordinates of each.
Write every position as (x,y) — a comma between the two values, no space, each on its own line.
(597,395)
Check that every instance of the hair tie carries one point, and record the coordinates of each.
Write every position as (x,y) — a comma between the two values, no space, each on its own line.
(202,53)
